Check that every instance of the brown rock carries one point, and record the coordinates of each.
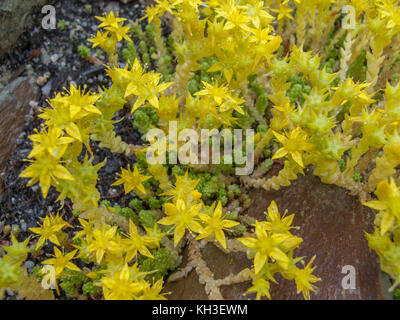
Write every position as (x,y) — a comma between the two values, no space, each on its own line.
(14,105)
(332,225)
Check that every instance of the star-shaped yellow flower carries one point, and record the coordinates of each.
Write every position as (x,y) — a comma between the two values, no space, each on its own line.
(388,204)
(132,180)
(215,224)
(109,20)
(293,144)
(183,217)
(121,285)
(267,246)
(135,243)
(61,261)
(49,229)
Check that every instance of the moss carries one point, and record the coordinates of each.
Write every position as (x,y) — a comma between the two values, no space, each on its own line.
(136,205)
(262,103)
(357,69)
(91,288)
(62,25)
(146,218)
(144,119)
(342,165)
(84,52)
(105,203)
(396,294)
(154,203)
(158,267)
(129,54)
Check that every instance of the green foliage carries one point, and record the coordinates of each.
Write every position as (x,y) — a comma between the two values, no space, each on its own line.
(62,25)
(129,53)
(136,205)
(84,52)
(72,282)
(357,69)
(154,203)
(88,8)
(357,176)
(146,218)
(158,267)
(91,288)
(144,119)
(396,294)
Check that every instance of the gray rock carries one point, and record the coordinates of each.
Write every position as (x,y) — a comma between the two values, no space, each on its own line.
(24,226)
(44,57)
(46,89)
(15,18)
(54,58)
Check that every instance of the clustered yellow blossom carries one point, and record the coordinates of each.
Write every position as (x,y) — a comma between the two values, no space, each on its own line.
(272,248)
(320,97)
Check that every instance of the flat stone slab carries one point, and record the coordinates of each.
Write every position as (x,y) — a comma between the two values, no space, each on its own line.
(332,225)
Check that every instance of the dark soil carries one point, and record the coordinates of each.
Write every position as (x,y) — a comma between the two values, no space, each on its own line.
(54,52)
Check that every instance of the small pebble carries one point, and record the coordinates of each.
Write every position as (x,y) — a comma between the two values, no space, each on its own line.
(29,265)
(54,58)
(44,57)
(23,226)
(46,89)
(41,81)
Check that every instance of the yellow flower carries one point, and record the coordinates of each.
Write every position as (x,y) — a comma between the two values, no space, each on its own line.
(120,32)
(135,242)
(48,230)
(256,11)
(215,224)
(101,40)
(153,292)
(146,88)
(283,11)
(80,104)
(17,252)
(235,18)
(267,246)
(50,141)
(151,13)
(184,189)
(388,204)
(87,229)
(304,279)
(45,169)
(109,20)
(121,286)
(101,241)
(293,144)
(260,287)
(275,222)
(132,180)
(182,217)
(61,261)
(219,93)
(154,236)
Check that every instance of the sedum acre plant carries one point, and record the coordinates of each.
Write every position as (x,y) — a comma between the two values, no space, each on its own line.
(319,95)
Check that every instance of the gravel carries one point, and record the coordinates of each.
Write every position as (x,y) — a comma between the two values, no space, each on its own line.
(53,54)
